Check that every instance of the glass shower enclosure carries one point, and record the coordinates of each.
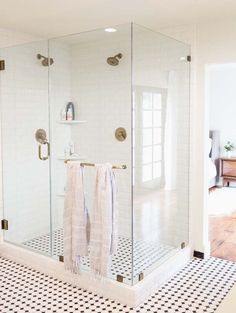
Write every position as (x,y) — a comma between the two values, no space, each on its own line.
(130,90)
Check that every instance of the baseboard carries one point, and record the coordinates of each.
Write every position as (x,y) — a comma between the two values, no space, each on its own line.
(198,254)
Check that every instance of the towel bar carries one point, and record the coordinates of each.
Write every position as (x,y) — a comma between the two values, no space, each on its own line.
(119,167)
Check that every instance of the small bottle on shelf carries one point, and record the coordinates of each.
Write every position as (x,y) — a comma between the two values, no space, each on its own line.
(70,111)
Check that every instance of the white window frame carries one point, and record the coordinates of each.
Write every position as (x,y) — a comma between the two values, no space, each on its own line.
(138,144)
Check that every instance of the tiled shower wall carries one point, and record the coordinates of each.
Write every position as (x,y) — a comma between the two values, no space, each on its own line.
(10,38)
(24,102)
(103,95)
(59,96)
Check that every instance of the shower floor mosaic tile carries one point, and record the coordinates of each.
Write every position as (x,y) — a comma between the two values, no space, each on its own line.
(145,254)
(199,287)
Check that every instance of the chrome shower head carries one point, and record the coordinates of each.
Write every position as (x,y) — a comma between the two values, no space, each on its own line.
(45,61)
(114,60)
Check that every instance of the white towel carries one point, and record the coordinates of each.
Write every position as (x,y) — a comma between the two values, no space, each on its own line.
(104,235)
(75,219)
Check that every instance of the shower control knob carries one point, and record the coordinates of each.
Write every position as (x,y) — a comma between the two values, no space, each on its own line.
(120,134)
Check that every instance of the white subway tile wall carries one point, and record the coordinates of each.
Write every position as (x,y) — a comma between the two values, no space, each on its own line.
(103,96)
(24,104)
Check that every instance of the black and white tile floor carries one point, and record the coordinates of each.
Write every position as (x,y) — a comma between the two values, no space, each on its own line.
(199,287)
(146,254)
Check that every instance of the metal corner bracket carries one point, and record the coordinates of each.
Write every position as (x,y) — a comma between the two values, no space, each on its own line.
(2,65)
(4,224)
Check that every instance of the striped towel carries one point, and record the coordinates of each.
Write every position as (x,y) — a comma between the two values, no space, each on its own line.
(75,219)
(104,234)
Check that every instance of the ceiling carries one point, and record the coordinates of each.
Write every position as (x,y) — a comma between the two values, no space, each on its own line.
(49,18)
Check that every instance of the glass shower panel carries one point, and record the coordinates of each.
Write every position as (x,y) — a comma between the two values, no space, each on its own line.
(161,150)
(100,90)
(24,109)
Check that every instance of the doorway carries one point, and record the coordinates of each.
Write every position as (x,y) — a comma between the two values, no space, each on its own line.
(221,171)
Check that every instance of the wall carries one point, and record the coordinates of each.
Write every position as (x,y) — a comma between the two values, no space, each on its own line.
(102,94)
(187,34)
(60,134)
(212,43)
(24,101)
(158,63)
(24,108)
(216,44)
(10,38)
(94,85)
(221,98)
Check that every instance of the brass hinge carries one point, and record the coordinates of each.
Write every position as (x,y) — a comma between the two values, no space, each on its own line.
(4,224)
(2,65)
(61,258)
(120,278)
(189,59)
(140,276)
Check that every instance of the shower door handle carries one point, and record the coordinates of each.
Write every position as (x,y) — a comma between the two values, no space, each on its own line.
(44,158)
(41,137)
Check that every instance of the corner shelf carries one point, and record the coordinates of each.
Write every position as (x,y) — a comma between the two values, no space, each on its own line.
(72,122)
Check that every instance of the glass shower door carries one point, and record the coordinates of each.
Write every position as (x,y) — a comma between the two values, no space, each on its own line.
(160,148)
(24,110)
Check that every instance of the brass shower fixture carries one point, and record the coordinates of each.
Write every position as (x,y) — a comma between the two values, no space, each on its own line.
(45,61)
(120,134)
(114,61)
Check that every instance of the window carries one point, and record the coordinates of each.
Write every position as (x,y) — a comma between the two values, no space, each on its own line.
(149,122)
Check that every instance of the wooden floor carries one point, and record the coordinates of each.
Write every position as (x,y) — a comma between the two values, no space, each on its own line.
(222,232)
